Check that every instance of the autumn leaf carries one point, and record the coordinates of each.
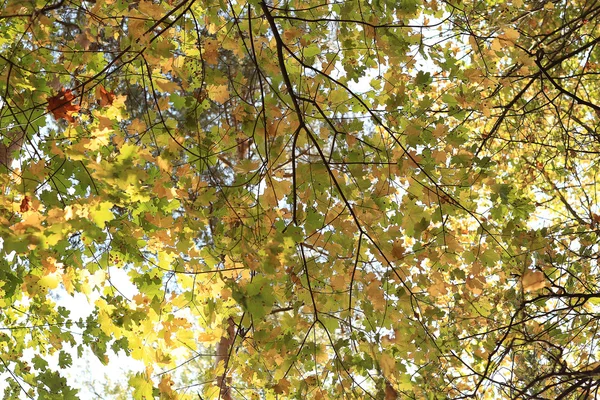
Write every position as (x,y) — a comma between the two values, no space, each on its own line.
(50,281)
(25,204)
(398,249)
(282,387)
(167,86)
(104,97)
(142,388)
(390,392)
(511,34)
(165,386)
(61,105)
(533,280)
(218,93)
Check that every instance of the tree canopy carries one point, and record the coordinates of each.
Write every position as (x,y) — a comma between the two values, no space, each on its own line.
(301,199)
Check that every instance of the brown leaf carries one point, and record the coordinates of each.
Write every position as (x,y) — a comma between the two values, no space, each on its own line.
(390,392)
(105,98)
(398,250)
(475,285)
(24,204)
(60,105)
(282,387)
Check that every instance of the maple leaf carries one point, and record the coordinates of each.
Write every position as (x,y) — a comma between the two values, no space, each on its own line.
(218,93)
(283,386)
(104,97)
(61,107)
(165,385)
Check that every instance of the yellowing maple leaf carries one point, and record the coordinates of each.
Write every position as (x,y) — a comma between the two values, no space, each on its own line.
(102,213)
(388,365)
(338,282)
(475,285)
(50,281)
(211,51)
(165,385)
(218,93)
(166,86)
(142,388)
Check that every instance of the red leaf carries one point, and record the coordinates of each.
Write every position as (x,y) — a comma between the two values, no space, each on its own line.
(105,98)
(24,204)
(60,105)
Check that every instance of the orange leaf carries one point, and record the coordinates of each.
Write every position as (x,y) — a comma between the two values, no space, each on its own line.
(533,280)
(105,98)
(60,105)
(165,385)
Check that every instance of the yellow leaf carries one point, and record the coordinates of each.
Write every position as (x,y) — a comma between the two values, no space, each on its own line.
(102,213)
(166,86)
(163,164)
(511,34)
(207,338)
(474,285)
(99,139)
(97,279)
(291,34)
(32,220)
(388,365)
(67,280)
(438,286)
(106,324)
(151,9)
(440,130)
(50,281)
(218,93)
(211,51)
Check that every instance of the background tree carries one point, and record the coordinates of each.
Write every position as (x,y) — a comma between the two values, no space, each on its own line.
(313,200)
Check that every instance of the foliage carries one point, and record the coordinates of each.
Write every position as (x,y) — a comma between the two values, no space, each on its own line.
(371,199)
